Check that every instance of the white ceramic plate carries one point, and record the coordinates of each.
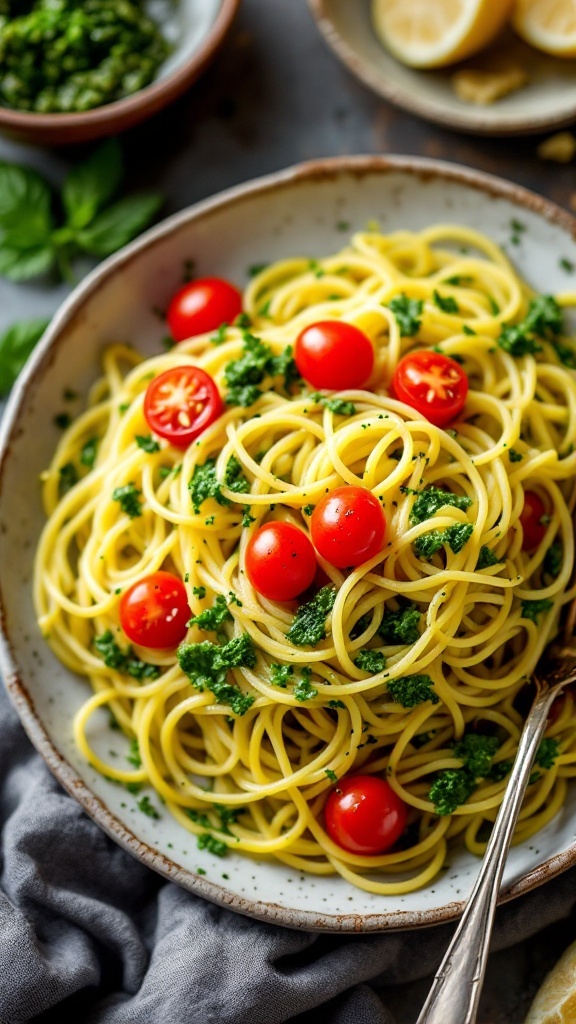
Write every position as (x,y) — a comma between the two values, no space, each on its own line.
(297,212)
(547,102)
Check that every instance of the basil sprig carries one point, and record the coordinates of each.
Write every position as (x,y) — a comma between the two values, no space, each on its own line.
(39,235)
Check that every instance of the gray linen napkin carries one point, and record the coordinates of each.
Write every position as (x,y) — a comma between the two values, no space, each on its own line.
(87,934)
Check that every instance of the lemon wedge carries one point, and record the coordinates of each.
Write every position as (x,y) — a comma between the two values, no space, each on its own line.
(432,33)
(549,25)
(555,1001)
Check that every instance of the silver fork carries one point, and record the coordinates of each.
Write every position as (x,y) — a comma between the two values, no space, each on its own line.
(455,992)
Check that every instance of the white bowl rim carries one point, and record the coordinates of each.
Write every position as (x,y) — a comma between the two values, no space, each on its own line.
(329,167)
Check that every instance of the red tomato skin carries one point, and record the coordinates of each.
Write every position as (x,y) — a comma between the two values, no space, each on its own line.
(334,355)
(203,392)
(280,561)
(533,530)
(432,384)
(364,815)
(154,611)
(201,306)
(348,526)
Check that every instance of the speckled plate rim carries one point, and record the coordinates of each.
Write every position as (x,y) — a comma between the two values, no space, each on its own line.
(417,102)
(318,170)
(127,111)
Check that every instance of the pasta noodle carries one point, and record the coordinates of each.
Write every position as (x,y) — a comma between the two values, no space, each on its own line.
(468,620)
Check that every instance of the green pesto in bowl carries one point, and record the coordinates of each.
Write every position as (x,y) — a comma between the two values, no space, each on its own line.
(69,56)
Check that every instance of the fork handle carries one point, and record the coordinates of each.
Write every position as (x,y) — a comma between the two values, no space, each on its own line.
(455,992)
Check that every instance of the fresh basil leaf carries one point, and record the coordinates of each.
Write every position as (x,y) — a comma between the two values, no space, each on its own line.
(25,207)
(22,264)
(16,344)
(92,184)
(117,225)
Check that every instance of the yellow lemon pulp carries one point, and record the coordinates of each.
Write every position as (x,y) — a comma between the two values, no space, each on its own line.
(428,34)
(555,1001)
(549,25)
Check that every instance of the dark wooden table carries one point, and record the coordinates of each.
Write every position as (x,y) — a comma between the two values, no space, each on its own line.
(277,96)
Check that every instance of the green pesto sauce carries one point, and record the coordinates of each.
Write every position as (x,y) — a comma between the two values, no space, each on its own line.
(64,56)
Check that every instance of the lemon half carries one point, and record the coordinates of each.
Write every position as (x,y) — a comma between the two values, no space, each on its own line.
(549,25)
(432,33)
(555,1001)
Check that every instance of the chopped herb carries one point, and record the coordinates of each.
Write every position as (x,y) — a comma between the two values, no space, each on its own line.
(144,805)
(517,226)
(220,337)
(280,674)
(409,691)
(204,485)
(494,307)
(451,789)
(407,313)
(566,265)
(207,664)
(256,269)
(455,537)
(68,476)
(199,592)
(446,303)
(532,609)
(477,751)
(309,624)
(514,456)
(336,405)
(458,279)
(208,842)
(432,499)
(147,443)
(547,752)
(258,362)
(396,454)
(123,661)
(233,477)
(212,618)
(308,509)
(468,330)
(499,771)
(554,558)
(401,626)
(247,517)
(133,755)
(370,661)
(542,321)
(336,704)
(304,690)
(89,452)
(128,498)
(62,420)
(331,775)
(486,558)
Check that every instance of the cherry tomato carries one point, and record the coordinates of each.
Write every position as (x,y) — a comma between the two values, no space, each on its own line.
(202,306)
(431,383)
(364,815)
(334,355)
(280,561)
(348,526)
(154,611)
(180,403)
(533,529)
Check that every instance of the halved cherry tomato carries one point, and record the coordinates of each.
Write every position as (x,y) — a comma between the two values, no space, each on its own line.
(533,529)
(364,815)
(431,383)
(154,611)
(280,561)
(202,306)
(180,403)
(334,355)
(348,526)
